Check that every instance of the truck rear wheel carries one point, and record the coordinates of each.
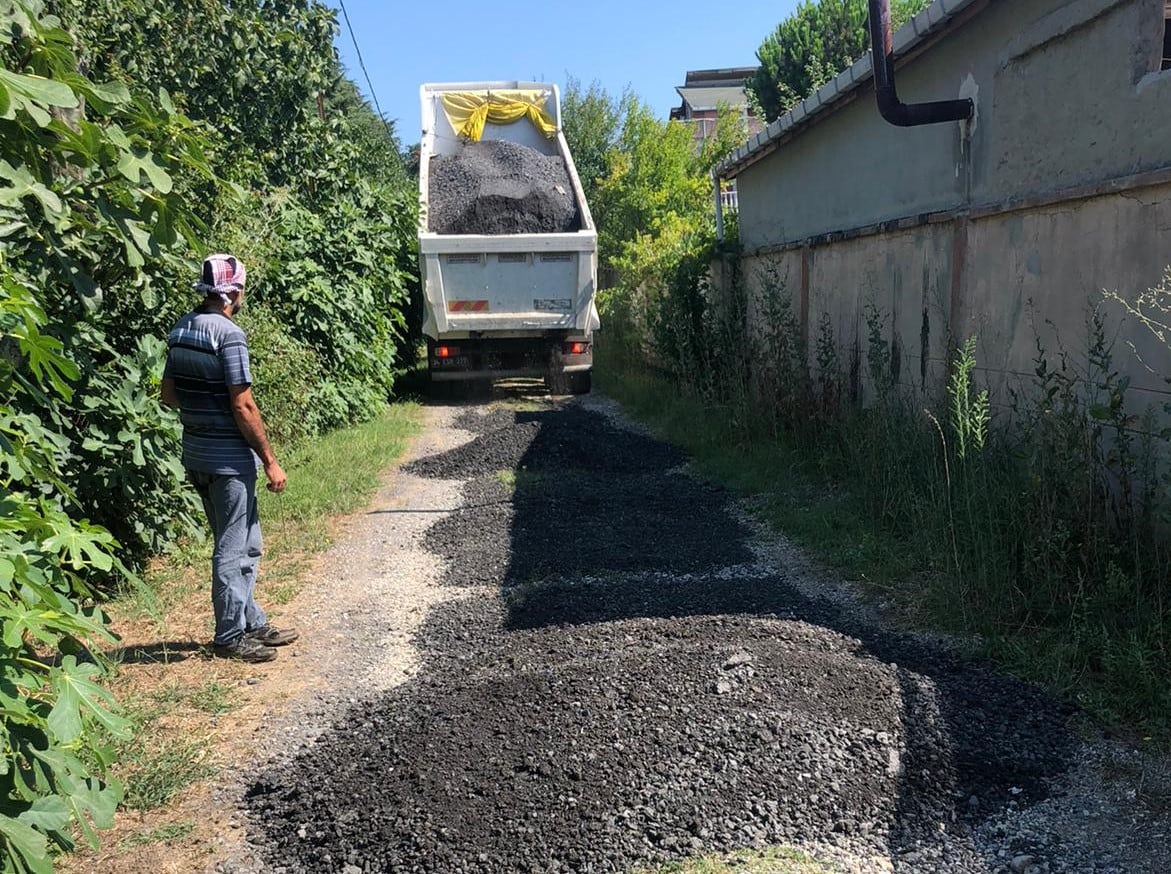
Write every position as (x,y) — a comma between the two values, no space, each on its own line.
(580,383)
(440,390)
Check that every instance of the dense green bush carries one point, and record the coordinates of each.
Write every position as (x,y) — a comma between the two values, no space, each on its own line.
(296,405)
(86,198)
(49,707)
(327,227)
(133,141)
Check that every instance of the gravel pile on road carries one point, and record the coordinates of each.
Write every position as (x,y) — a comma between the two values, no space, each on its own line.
(603,711)
(570,439)
(497,187)
(569,495)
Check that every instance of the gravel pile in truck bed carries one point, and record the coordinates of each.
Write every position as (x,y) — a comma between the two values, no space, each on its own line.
(651,694)
(497,187)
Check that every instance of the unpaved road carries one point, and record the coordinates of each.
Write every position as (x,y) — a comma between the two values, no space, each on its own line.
(610,667)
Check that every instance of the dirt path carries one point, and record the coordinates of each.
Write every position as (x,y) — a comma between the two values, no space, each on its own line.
(358,609)
(546,647)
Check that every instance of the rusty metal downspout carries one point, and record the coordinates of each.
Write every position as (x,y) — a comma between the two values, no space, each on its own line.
(889,105)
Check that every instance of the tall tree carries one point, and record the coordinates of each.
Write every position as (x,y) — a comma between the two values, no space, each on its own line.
(820,38)
(657,178)
(590,120)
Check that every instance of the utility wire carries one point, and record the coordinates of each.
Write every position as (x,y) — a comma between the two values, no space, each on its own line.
(362,64)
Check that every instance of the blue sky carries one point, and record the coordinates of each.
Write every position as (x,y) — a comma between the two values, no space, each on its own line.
(647,46)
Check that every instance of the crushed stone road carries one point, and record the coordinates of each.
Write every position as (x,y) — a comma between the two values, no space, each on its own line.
(622,676)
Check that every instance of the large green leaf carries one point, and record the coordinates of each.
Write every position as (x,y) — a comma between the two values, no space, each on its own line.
(47,92)
(49,813)
(88,291)
(81,548)
(77,696)
(91,802)
(27,844)
(16,688)
(105,97)
(19,621)
(137,162)
(23,184)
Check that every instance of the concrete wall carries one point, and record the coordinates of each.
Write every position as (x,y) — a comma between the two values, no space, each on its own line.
(1009,279)
(1066,94)
(1059,193)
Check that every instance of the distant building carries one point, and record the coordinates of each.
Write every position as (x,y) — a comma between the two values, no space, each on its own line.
(705,91)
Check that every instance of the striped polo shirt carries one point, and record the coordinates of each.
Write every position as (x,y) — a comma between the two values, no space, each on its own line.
(206,353)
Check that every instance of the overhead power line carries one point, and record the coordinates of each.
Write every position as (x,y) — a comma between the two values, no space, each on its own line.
(362,64)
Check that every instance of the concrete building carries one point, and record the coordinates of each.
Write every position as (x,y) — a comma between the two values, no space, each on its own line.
(1006,227)
(703,92)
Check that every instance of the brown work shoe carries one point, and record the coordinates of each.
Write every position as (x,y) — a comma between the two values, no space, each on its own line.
(244,649)
(270,635)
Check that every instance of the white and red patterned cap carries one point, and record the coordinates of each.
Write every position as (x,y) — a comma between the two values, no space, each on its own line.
(222,274)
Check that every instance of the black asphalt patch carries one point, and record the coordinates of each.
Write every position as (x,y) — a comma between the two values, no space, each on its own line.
(638,691)
(568,494)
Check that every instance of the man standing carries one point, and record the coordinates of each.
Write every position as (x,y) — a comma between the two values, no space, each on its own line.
(208,378)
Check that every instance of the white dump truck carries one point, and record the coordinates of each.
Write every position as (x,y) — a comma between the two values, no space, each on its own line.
(505,304)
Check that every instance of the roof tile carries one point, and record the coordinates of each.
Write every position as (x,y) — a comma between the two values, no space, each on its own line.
(862,69)
(922,23)
(905,36)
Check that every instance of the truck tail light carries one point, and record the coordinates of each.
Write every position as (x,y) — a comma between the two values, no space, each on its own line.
(577,347)
(446,351)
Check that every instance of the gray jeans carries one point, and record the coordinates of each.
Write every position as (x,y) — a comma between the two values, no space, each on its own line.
(230,504)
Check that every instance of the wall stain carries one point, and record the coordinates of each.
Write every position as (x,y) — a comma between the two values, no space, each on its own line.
(924,345)
(856,370)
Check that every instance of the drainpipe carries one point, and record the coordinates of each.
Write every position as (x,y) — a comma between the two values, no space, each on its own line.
(889,105)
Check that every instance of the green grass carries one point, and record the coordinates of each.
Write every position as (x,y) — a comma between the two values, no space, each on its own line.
(214,697)
(279,594)
(167,583)
(335,474)
(155,766)
(155,771)
(172,831)
(775,860)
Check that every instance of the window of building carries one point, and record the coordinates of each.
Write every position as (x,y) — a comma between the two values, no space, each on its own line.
(1166,35)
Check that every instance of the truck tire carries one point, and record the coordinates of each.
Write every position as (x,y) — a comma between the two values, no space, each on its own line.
(440,390)
(580,383)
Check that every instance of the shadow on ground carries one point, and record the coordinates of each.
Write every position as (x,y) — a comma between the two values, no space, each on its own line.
(164,652)
(625,685)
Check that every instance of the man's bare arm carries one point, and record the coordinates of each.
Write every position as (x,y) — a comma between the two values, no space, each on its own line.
(251,425)
(169,396)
